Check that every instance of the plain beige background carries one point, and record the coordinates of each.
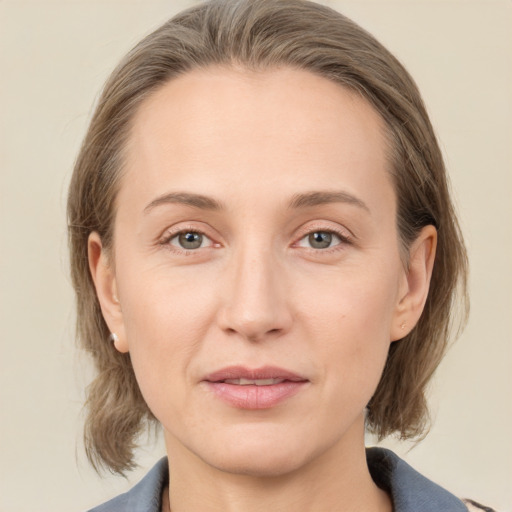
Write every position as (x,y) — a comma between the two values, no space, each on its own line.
(54,57)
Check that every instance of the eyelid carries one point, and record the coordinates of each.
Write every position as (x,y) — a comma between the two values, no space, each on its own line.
(205,238)
(344,234)
(306,237)
(174,231)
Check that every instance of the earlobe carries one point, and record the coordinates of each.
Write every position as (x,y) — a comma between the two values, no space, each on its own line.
(103,276)
(417,282)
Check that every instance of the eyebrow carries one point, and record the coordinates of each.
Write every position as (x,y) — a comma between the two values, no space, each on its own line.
(318,198)
(186,198)
(304,200)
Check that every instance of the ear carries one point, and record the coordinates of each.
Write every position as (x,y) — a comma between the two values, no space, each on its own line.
(414,289)
(103,275)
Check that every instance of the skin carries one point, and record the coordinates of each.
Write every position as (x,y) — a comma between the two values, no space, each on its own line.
(257,291)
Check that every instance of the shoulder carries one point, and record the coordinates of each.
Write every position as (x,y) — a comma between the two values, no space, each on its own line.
(410,490)
(146,496)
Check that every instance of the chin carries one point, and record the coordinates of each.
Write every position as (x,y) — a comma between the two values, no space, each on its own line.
(258,455)
(264,463)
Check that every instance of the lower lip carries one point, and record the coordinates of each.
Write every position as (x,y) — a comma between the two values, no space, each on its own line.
(255,397)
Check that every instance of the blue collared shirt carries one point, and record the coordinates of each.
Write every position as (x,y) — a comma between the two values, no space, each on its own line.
(410,491)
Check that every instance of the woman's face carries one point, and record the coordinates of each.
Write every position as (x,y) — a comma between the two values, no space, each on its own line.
(257,266)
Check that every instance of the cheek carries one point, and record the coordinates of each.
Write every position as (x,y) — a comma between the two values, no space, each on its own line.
(163,305)
(350,317)
(362,300)
(165,318)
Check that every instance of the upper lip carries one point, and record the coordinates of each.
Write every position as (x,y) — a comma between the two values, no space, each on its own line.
(242,372)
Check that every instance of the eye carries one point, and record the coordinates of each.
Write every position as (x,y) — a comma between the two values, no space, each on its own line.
(190,240)
(320,240)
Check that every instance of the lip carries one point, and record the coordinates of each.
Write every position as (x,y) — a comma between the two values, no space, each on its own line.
(253,396)
(242,372)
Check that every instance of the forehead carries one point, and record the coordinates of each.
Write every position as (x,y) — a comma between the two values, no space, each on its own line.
(232,126)
(290,96)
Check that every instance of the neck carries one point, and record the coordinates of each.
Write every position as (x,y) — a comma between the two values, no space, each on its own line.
(336,480)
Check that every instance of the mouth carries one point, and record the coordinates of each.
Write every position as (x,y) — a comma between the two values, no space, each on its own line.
(253,382)
(259,388)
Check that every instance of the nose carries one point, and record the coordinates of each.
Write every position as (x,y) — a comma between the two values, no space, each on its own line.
(255,303)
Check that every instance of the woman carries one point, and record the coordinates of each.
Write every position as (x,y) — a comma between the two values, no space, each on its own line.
(272,257)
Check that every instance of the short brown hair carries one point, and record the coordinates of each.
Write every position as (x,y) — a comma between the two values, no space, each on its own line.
(259,35)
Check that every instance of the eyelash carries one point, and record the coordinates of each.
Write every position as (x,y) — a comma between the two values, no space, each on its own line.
(166,240)
(344,239)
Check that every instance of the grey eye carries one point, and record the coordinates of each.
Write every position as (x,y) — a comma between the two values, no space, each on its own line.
(320,239)
(189,240)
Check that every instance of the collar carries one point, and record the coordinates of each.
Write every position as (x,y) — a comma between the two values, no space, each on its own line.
(410,491)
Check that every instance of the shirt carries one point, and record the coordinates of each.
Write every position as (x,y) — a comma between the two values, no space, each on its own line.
(409,490)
